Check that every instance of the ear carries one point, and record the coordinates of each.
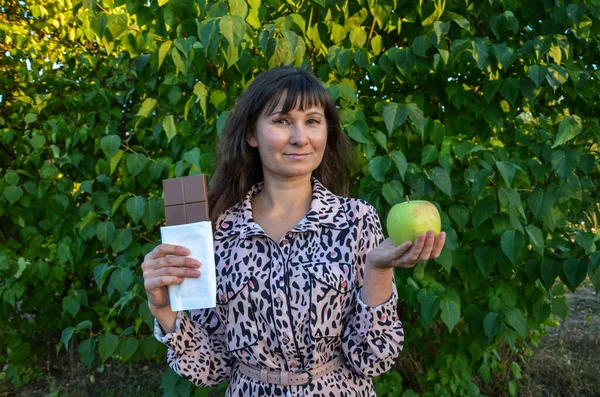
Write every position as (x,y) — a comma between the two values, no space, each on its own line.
(251,138)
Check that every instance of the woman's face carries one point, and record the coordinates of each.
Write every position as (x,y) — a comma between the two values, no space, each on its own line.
(291,144)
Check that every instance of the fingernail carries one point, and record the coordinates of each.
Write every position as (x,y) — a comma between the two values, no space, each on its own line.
(195,272)
(196,263)
(184,251)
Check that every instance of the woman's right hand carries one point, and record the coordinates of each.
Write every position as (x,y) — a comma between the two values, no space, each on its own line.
(166,265)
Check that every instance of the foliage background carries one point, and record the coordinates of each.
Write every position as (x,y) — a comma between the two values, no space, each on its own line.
(488,109)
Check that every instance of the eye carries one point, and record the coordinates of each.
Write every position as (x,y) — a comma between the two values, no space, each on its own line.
(313,121)
(280,121)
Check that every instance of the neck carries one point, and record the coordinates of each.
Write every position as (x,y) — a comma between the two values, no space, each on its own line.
(287,196)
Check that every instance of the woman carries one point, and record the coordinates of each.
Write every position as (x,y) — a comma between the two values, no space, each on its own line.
(306,301)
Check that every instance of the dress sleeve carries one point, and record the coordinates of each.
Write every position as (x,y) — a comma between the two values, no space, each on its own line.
(374,335)
(197,347)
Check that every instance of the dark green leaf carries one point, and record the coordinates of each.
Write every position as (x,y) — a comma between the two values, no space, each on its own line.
(511,243)
(107,345)
(441,179)
(110,144)
(120,279)
(136,163)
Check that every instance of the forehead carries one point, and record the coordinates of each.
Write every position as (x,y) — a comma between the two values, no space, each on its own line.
(302,101)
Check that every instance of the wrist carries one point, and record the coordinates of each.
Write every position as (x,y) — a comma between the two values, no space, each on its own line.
(378,268)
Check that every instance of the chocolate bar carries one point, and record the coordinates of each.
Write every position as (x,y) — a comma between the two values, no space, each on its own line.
(185,200)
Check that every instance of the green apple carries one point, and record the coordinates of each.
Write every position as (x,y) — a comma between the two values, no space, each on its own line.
(407,220)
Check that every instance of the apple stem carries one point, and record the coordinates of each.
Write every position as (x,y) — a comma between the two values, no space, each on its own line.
(407,199)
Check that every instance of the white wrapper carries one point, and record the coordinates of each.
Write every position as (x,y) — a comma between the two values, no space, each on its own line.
(193,293)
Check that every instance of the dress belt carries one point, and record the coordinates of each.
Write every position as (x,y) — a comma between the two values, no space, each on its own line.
(290,378)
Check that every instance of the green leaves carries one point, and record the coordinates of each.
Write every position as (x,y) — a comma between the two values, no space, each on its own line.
(450,312)
(568,129)
(145,109)
(107,345)
(135,207)
(511,243)
(441,179)
(110,144)
(13,194)
(136,163)
(394,115)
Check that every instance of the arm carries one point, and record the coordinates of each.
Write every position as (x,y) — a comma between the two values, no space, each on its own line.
(197,347)
(374,336)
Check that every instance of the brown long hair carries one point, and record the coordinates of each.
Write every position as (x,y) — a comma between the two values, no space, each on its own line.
(238,166)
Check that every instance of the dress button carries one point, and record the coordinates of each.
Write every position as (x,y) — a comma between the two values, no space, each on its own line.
(285,340)
(281,282)
(285,241)
(294,365)
(278,266)
(278,299)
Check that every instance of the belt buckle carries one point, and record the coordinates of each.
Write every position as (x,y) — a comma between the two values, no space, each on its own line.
(310,376)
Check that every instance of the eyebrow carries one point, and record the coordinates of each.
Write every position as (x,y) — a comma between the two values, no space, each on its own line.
(308,114)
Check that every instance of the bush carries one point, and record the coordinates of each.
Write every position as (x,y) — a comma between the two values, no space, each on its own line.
(488,110)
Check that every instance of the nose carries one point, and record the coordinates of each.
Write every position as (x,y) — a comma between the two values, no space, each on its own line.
(299,136)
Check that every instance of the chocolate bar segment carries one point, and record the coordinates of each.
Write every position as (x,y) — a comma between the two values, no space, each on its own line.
(185,200)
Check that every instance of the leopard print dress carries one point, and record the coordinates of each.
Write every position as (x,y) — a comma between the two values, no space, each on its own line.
(291,305)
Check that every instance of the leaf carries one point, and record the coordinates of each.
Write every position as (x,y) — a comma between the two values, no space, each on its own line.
(105,232)
(378,166)
(146,108)
(393,192)
(154,212)
(400,161)
(120,279)
(136,163)
(128,347)
(13,194)
(491,325)
(537,73)
(359,131)
(507,170)
(30,118)
(67,333)
(178,61)
(117,24)
(445,259)
(135,207)
(441,179)
(233,29)
(162,53)
(429,154)
(568,129)
(575,271)
(86,351)
(511,243)
(564,163)
(541,201)
(358,37)
(110,144)
(514,318)
(484,260)
(122,240)
(107,345)
(115,160)
(394,115)
(450,313)
(460,214)
(536,238)
(416,116)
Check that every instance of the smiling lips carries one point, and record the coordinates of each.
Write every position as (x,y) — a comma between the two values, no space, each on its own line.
(298,155)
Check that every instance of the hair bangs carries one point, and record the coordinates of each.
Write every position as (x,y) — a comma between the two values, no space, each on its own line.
(299,93)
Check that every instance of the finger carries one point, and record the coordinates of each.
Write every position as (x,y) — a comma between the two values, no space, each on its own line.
(163,250)
(172,271)
(159,282)
(413,255)
(171,261)
(438,245)
(427,247)
(402,249)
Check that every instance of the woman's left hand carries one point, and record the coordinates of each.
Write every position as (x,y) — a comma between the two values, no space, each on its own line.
(407,254)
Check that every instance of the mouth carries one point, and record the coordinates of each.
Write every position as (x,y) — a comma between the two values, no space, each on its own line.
(297,155)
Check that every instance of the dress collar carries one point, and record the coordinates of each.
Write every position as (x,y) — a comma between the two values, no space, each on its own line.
(326,210)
